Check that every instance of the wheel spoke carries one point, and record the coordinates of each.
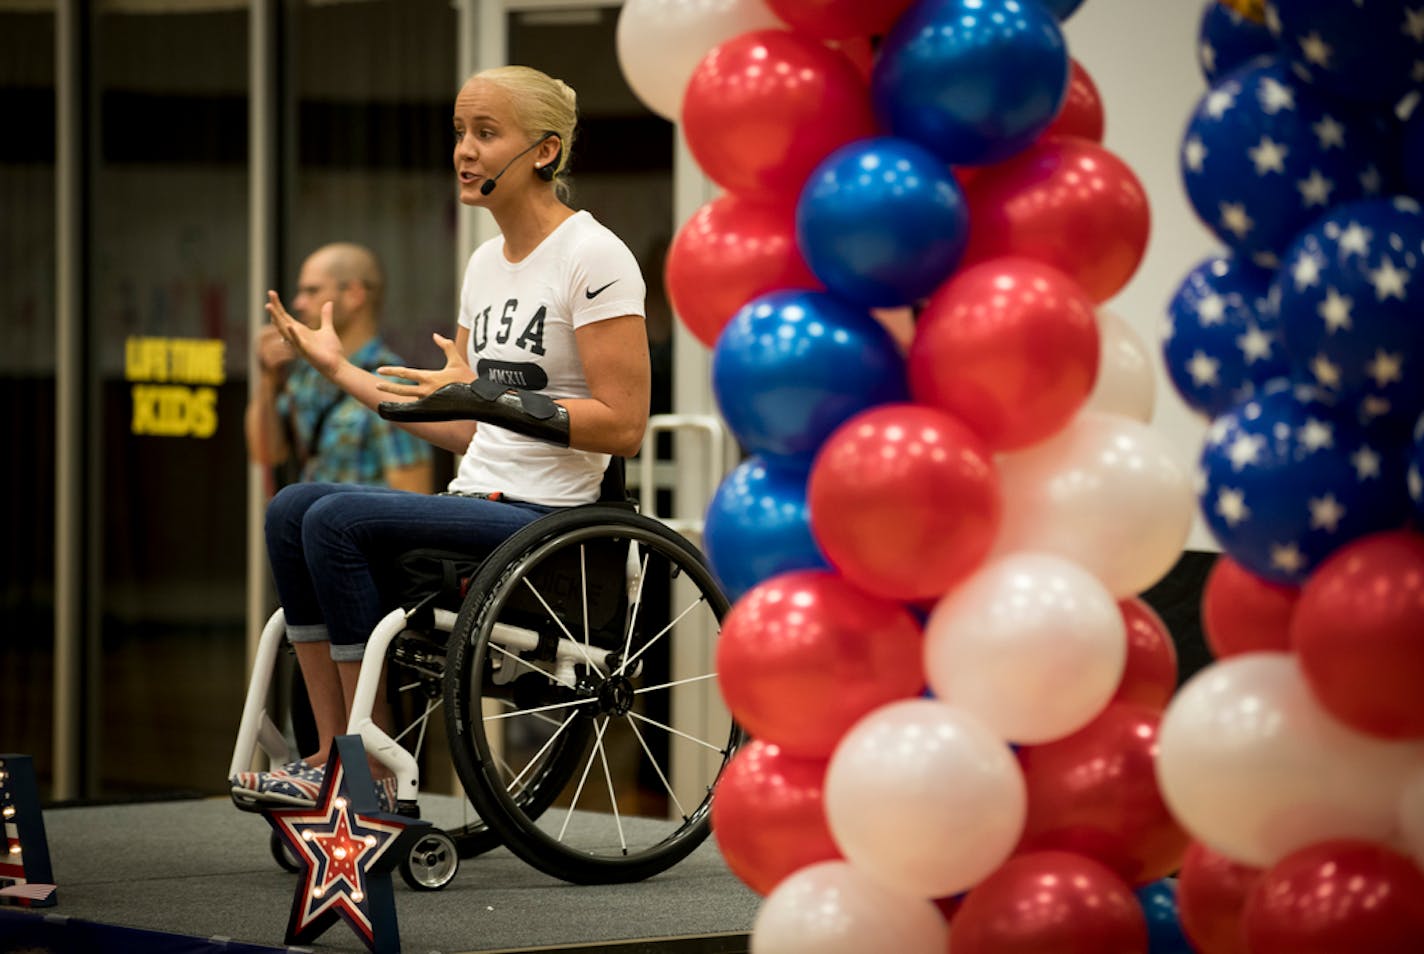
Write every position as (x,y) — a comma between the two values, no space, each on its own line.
(676,682)
(555,617)
(549,708)
(542,749)
(612,796)
(578,792)
(523,662)
(633,614)
(629,660)
(668,728)
(667,786)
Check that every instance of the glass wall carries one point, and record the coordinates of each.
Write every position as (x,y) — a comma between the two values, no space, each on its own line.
(27,383)
(167,325)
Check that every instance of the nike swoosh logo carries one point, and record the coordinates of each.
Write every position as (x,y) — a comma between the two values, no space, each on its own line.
(595,292)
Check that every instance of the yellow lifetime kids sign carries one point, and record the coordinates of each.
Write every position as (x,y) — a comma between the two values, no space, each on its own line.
(174,389)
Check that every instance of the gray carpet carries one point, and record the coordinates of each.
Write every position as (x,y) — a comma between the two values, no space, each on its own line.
(202,868)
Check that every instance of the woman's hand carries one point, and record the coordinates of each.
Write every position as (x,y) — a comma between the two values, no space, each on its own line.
(319,346)
(456,371)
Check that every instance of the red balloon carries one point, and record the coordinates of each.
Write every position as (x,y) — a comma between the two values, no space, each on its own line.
(1067,202)
(802,656)
(1050,902)
(1010,347)
(904,501)
(1082,112)
(732,250)
(1211,892)
(1359,633)
(1150,676)
(1337,897)
(768,815)
(1095,792)
(839,19)
(1243,613)
(764,108)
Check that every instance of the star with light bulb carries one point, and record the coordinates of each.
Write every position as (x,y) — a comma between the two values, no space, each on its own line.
(346,847)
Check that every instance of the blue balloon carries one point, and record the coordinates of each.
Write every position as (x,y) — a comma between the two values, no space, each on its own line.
(882,222)
(1227,40)
(1164,925)
(792,366)
(1223,340)
(758,525)
(1264,155)
(1062,9)
(1366,52)
(1351,294)
(973,81)
(1288,479)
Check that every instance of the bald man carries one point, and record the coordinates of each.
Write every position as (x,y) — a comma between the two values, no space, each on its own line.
(300,417)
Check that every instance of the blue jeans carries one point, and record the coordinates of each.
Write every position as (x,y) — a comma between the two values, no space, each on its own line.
(333,549)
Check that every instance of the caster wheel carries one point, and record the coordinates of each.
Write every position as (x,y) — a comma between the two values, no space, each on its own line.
(432,861)
(283,854)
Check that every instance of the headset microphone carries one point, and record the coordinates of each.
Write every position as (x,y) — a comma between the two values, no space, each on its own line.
(488,185)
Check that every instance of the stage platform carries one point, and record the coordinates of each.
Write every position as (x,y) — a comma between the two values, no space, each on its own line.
(197,876)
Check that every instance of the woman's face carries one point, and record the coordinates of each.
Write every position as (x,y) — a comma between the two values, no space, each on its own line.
(487,137)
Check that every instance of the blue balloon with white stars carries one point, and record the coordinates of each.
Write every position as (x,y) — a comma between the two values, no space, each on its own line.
(882,222)
(1415,475)
(792,365)
(758,524)
(1164,924)
(973,81)
(1227,40)
(1222,340)
(1264,155)
(1369,51)
(1412,152)
(1350,292)
(1288,479)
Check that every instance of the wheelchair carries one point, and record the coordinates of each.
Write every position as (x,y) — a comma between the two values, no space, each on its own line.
(573,667)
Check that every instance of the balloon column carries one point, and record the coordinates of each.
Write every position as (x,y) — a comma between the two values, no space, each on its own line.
(1296,759)
(937,538)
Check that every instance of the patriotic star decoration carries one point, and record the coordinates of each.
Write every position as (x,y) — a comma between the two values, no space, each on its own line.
(1222,339)
(1264,155)
(1361,50)
(1287,479)
(1349,293)
(346,847)
(1226,40)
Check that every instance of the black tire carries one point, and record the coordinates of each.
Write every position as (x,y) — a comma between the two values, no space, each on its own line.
(431,862)
(546,579)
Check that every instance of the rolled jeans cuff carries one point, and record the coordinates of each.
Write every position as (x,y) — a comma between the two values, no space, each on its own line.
(308,633)
(348,652)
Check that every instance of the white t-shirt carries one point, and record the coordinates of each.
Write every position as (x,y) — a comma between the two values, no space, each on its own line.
(522,317)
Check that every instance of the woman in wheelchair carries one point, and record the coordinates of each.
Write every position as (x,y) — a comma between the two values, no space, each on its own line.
(547,376)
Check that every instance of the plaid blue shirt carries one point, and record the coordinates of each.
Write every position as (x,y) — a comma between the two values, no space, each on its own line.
(356,445)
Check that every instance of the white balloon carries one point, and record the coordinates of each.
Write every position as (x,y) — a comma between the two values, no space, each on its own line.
(1125,382)
(1107,493)
(1253,767)
(833,908)
(660,43)
(922,797)
(1032,645)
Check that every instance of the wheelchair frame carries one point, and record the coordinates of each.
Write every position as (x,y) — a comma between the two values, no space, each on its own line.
(490,659)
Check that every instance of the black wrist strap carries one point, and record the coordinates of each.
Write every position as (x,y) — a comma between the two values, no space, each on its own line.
(525,412)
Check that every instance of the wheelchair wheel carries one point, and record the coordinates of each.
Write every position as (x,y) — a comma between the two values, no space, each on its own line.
(432,861)
(584,638)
